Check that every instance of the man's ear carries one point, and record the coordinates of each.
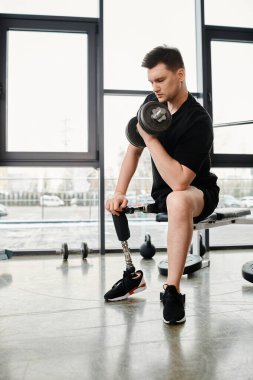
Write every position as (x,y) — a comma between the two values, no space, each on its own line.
(181,74)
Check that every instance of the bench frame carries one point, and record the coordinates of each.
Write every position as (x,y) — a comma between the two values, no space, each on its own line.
(221,217)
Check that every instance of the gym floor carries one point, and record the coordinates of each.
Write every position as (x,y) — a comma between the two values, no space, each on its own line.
(55,325)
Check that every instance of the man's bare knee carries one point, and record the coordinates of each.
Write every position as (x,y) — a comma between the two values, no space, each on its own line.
(184,202)
(179,202)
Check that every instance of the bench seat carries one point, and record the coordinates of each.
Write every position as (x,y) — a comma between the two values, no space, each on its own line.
(218,214)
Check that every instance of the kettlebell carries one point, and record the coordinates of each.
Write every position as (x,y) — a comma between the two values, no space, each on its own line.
(147,249)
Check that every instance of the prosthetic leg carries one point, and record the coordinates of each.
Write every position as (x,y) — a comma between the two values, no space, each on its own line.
(123,233)
(132,281)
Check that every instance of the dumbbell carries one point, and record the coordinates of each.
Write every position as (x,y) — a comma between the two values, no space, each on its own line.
(154,117)
(65,251)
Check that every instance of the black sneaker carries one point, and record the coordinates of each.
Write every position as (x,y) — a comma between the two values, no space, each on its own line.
(174,304)
(130,283)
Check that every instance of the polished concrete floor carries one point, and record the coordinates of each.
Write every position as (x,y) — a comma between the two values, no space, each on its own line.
(55,325)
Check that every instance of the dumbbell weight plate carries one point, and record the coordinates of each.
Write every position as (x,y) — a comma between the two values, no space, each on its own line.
(65,251)
(154,117)
(84,250)
(132,133)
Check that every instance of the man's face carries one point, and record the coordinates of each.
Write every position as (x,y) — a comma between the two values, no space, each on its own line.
(166,83)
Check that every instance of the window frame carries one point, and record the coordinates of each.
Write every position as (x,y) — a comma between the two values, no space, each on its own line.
(54,24)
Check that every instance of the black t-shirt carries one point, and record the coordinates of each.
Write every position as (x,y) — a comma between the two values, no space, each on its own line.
(188,140)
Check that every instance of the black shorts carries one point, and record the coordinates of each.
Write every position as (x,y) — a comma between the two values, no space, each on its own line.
(211,199)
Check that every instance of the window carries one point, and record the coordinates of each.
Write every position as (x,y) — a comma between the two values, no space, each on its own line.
(118,111)
(132,28)
(41,208)
(229,13)
(229,58)
(47,92)
(236,190)
(79,8)
(232,96)
(48,77)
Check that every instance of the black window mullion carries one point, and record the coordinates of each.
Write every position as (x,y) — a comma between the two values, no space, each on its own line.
(3,43)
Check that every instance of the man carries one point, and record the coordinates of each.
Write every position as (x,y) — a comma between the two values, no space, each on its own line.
(182,183)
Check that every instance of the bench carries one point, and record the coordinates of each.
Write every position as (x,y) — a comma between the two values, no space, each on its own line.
(221,217)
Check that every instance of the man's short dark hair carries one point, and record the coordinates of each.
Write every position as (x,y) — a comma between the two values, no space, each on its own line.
(171,57)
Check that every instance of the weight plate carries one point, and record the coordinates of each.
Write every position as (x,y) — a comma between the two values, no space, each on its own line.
(163,267)
(154,117)
(132,133)
(84,250)
(193,263)
(247,271)
(65,251)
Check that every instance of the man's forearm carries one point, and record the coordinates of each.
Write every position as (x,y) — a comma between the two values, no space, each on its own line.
(127,170)
(172,172)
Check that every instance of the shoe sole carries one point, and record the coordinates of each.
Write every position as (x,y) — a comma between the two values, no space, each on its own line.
(175,322)
(133,291)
